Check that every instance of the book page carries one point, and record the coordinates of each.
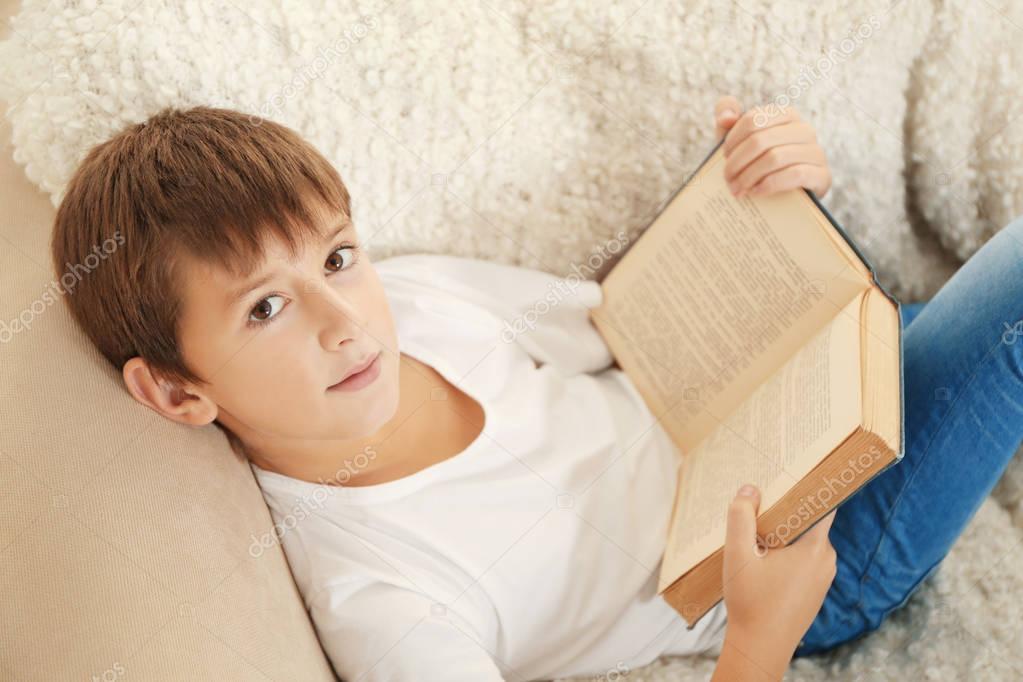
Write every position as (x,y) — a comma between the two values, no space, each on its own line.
(772,439)
(717,294)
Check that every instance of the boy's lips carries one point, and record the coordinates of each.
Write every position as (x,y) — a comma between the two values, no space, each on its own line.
(360,374)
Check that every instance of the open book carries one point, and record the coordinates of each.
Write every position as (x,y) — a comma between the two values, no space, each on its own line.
(758,335)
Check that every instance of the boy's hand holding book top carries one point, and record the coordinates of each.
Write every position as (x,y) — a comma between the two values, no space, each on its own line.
(769,150)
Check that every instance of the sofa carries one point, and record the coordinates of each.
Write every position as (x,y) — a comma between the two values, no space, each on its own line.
(526,133)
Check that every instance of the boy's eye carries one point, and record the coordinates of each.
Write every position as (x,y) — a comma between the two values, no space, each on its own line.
(335,263)
(266,309)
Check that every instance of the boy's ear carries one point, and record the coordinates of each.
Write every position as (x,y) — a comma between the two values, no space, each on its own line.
(165,397)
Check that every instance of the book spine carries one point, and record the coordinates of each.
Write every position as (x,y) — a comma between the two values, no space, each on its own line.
(685,183)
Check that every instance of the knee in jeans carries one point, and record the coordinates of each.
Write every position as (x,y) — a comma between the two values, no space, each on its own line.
(1004,266)
(884,605)
(1010,237)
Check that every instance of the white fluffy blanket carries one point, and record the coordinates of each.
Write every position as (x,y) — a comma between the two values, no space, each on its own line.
(530,133)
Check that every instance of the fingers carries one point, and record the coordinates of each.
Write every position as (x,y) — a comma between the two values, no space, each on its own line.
(801,175)
(818,535)
(726,113)
(758,119)
(727,102)
(742,155)
(774,160)
(829,519)
(770,149)
(741,529)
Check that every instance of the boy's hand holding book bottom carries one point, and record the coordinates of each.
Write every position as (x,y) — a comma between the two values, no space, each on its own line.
(771,595)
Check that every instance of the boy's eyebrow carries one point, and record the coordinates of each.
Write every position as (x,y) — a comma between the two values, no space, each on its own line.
(235,296)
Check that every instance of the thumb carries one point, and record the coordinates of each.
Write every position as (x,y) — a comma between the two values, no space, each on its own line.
(726,113)
(741,531)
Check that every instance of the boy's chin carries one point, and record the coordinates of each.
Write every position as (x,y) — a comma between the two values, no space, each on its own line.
(373,416)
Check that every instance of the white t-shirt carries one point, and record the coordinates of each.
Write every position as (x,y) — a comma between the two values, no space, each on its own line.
(532,554)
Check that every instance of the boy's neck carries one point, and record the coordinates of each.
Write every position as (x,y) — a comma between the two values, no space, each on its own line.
(421,433)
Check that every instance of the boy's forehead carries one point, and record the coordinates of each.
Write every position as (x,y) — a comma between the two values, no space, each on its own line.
(245,259)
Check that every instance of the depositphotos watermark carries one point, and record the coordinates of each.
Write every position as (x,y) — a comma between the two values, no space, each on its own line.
(808,75)
(810,505)
(1012,332)
(619,672)
(315,69)
(111,674)
(308,504)
(56,288)
(563,287)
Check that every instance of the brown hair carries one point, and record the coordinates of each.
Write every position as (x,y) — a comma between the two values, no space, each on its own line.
(209,183)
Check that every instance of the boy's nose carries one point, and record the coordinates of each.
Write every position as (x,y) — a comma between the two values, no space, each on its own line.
(336,314)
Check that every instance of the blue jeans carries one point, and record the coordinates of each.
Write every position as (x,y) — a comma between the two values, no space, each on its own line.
(963,382)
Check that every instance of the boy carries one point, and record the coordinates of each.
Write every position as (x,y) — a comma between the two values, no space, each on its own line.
(454,504)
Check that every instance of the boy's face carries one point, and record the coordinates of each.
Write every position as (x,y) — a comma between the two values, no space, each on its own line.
(322,317)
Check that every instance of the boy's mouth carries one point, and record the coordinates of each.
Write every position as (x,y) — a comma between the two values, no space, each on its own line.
(359,376)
